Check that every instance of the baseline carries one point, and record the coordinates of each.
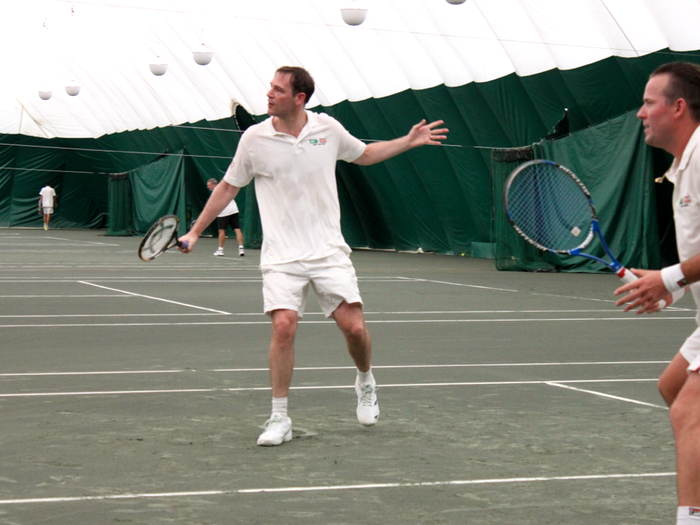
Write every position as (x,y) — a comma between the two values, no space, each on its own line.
(330,488)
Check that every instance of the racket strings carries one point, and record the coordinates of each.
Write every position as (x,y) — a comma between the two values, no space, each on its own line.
(550,208)
(158,239)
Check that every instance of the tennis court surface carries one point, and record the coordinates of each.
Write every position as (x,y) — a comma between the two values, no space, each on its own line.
(134,392)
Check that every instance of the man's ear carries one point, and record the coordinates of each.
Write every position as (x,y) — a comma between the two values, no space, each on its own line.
(681,108)
(300,99)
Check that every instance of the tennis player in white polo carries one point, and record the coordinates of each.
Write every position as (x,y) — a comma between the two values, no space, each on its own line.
(292,158)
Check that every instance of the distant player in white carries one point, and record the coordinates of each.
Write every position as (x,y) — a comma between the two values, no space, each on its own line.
(47,201)
(292,157)
(229,216)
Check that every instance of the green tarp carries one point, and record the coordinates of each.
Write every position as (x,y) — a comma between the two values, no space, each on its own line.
(617,167)
(435,198)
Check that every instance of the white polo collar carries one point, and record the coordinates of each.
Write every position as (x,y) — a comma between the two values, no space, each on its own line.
(311,123)
(689,148)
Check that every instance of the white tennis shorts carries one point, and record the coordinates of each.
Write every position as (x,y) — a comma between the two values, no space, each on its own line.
(691,351)
(48,210)
(333,279)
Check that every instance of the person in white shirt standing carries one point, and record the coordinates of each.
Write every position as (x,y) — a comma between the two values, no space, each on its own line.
(228,217)
(292,158)
(671,118)
(47,202)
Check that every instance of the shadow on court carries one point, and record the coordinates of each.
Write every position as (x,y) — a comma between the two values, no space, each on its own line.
(134,392)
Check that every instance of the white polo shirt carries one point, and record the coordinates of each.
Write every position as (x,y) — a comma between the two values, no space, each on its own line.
(295,186)
(230,209)
(684,173)
(47,193)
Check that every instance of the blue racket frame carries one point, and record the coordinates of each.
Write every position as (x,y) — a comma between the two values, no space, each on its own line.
(595,229)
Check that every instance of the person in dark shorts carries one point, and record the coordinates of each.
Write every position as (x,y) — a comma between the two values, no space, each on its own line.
(228,217)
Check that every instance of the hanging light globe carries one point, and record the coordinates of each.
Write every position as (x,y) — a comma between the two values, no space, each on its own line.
(202,55)
(45,94)
(456,2)
(72,89)
(353,15)
(158,68)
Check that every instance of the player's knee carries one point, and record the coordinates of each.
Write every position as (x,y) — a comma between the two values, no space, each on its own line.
(284,324)
(685,416)
(356,331)
(666,393)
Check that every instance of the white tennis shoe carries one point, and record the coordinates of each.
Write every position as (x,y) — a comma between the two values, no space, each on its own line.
(367,404)
(241,251)
(278,430)
(219,252)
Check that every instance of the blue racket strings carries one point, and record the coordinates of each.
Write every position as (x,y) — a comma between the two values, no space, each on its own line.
(549,207)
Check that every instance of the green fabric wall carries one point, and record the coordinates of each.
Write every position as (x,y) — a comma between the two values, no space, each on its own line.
(617,167)
(434,198)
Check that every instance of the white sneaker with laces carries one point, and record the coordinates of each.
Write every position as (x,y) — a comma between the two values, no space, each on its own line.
(278,430)
(241,251)
(367,404)
(219,252)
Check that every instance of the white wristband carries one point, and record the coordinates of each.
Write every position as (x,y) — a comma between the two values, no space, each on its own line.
(673,278)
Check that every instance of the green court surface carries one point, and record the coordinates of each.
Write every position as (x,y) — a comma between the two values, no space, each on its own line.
(133,392)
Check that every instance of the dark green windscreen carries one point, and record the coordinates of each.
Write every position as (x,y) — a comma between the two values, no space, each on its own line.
(437,199)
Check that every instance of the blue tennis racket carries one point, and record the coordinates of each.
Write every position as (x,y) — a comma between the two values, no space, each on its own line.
(553,210)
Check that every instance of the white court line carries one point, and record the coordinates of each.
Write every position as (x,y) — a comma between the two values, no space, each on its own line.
(86,296)
(42,316)
(96,373)
(457,365)
(255,314)
(458,284)
(367,321)
(84,242)
(518,291)
(154,298)
(314,387)
(329,488)
(325,368)
(609,396)
(149,280)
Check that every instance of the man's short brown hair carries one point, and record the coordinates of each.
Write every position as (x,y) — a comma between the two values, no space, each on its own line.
(684,82)
(301,81)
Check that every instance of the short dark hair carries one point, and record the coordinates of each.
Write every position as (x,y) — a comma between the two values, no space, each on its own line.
(684,82)
(301,80)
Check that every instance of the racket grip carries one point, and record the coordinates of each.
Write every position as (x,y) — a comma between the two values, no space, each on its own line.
(626,276)
(183,244)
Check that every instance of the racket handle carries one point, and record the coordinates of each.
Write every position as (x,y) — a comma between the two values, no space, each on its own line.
(628,277)
(183,244)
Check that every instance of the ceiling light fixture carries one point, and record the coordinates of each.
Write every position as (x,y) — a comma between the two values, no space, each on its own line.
(456,2)
(72,89)
(158,68)
(202,55)
(353,15)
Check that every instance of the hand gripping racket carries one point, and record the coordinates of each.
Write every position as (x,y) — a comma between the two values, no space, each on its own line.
(552,210)
(161,237)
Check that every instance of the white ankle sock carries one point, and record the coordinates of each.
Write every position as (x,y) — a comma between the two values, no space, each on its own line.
(279,405)
(688,516)
(366,378)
